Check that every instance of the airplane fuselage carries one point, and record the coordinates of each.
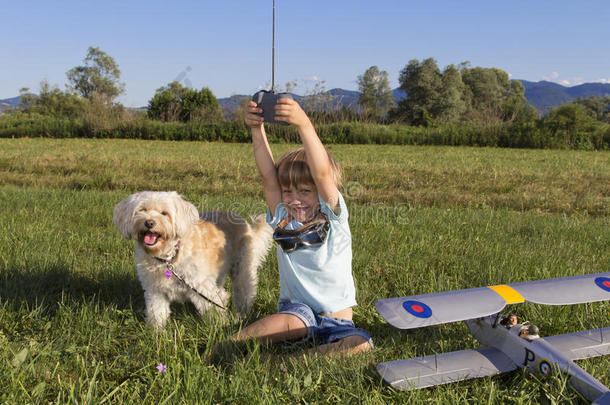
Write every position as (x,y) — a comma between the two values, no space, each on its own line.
(534,354)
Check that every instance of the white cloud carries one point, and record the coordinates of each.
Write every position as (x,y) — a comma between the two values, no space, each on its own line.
(313,78)
(569,81)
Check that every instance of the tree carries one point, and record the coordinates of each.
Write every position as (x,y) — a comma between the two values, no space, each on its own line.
(52,101)
(166,103)
(597,107)
(486,87)
(422,82)
(175,102)
(376,96)
(460,93)
(26,99)
(571,124)
(100,74)
(494,97)
(452,103)
(515,107)
(201,106)
(315,99)
(237,108)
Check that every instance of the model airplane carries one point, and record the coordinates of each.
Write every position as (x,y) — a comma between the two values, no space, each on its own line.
(506,347)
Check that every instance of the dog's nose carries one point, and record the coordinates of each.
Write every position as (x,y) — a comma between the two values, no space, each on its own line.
(149,223)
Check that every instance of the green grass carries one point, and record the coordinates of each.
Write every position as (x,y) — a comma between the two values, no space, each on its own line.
(423,219)
(540,180)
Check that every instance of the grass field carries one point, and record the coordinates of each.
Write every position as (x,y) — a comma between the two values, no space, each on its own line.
(423,219)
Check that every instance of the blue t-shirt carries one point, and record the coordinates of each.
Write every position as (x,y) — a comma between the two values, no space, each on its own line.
(318,276)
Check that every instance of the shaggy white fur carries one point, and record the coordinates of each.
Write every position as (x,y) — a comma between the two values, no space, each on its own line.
(203,250)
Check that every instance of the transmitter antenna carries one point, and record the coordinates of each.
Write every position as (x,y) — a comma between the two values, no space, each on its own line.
(273,50)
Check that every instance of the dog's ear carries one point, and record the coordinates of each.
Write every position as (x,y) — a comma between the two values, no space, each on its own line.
(123,216)
(186,216)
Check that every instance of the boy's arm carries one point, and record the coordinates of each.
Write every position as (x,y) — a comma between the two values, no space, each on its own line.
(266,168)
(263,157)
(289,111)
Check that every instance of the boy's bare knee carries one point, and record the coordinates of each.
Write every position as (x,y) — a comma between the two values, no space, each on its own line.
(274,328)
(293,322)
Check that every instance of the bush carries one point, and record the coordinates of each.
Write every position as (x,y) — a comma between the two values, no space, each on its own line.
(571,126)
(540,134)
(53,102)
(19,124)
(178,103)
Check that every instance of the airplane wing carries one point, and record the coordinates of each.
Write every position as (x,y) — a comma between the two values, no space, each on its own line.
(582,345)
(567,290)
(433,309)
(445,368)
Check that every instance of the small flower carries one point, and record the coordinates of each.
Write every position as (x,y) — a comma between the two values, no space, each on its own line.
(161,368)
(168,274)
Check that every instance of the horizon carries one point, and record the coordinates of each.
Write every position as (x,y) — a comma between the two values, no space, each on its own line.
(356,90)
(227,47)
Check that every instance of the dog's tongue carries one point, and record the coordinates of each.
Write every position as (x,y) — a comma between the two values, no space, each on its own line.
(150,238)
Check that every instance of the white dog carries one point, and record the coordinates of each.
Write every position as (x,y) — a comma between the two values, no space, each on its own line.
(181,256)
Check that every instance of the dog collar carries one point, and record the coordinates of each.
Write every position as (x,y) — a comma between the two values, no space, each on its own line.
(171,259)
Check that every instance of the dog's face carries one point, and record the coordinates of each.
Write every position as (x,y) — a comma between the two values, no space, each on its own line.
(154,219)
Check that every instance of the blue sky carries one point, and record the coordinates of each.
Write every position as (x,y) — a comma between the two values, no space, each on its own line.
(225,44)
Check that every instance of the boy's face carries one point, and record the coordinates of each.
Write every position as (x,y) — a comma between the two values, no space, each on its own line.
(301,201)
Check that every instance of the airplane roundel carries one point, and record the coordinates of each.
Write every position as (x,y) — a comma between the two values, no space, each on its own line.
(417,308)
(603,283)
(545,368)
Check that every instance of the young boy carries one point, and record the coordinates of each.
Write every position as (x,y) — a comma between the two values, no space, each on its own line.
(314,250)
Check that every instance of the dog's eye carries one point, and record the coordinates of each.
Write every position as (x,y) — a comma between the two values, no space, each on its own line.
(164,213)
(142,209)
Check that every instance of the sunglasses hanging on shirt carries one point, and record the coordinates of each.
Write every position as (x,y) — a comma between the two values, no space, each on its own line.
(312,233)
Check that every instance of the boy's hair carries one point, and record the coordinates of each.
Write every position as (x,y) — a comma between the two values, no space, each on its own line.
(292,169)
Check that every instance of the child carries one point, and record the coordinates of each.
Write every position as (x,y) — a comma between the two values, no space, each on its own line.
(314,250)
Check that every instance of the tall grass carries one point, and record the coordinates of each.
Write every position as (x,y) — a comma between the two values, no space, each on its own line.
(71,308)
(522,180)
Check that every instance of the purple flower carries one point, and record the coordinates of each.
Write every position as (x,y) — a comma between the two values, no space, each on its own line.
(168,274)
(161,367)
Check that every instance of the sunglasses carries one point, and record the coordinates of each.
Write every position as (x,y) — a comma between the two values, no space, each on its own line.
(313,233)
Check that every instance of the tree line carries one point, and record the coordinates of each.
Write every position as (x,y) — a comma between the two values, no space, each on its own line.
(458,96)
(460,93)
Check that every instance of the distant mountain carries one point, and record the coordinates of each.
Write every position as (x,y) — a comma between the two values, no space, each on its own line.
(9,103)
(398,94)
(544,95)
(345,98)
(589,89)
(338,98)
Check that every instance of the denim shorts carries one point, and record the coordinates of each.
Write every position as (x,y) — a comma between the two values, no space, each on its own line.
(320,328)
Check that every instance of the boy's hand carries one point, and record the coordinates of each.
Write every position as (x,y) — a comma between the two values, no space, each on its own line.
(288,110)
(252,119)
